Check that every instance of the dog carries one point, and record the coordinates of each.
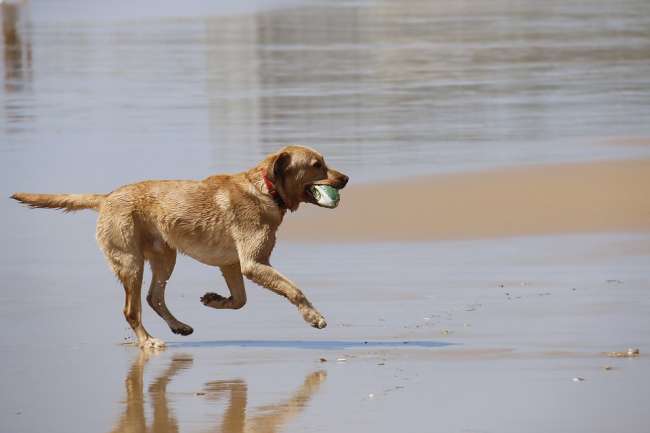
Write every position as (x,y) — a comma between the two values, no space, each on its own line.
(229,221)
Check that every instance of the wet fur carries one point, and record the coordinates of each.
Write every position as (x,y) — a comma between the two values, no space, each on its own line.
(229,221)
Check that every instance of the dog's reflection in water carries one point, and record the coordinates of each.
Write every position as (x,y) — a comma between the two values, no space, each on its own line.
(133,419)
(270,418)
(267,419)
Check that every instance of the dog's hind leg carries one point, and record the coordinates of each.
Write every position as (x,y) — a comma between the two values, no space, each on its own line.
(162,263)
(128,268)
(117,238)
(235,281)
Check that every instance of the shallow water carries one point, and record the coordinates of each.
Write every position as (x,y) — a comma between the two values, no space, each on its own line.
(311,344)
(97,94)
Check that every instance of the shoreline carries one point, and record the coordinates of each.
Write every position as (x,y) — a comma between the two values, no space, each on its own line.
(596,197)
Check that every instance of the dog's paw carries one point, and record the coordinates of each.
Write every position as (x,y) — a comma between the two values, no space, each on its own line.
(319,323)
(152,343)
(313,317)
(211,297)
(182,329)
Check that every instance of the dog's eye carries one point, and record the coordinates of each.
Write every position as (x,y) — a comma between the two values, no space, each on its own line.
(316,164)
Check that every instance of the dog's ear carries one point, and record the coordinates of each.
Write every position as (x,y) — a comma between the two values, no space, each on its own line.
(280,164)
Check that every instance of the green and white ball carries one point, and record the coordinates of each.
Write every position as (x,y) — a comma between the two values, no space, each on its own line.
(325,195)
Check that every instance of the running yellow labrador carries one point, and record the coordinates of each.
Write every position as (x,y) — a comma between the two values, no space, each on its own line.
(228,221)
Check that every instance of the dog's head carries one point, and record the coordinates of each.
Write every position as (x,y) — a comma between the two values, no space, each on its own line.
(295,168)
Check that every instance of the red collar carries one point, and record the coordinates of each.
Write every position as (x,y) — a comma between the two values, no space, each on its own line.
(272,191)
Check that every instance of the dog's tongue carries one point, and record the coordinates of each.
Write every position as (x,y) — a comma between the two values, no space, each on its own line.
(325,195)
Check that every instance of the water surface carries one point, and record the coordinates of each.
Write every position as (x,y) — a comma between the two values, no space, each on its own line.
(97,94)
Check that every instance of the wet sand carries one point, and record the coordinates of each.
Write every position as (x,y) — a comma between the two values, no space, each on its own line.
(471,335)
(493,333)
(607,196)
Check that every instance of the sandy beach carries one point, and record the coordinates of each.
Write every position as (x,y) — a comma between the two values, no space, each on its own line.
(600,197)
(502,335)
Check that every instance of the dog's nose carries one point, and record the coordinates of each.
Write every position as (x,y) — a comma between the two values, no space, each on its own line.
(344,180)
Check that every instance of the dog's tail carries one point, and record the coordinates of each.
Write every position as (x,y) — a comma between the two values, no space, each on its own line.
(67,202)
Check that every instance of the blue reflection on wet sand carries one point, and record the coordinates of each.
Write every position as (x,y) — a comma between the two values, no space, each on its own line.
(301,344)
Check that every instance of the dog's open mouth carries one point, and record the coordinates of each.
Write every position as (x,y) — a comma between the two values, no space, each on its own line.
(323,195)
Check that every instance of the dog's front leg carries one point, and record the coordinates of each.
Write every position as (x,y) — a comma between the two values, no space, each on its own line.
(264,275)
(234,280)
